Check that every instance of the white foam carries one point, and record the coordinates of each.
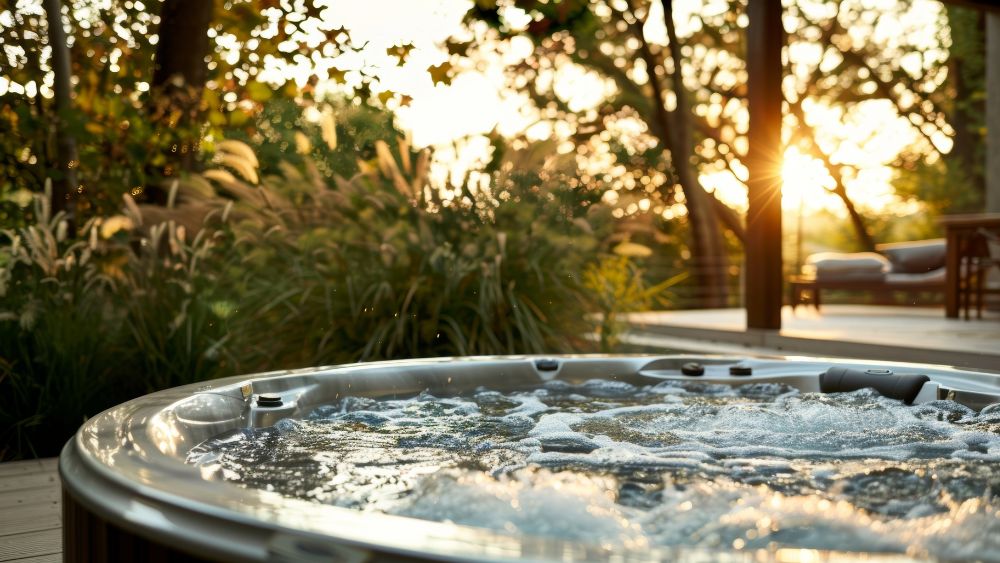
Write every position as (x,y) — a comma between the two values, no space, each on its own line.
(558,423)
(564,505)
(670,464)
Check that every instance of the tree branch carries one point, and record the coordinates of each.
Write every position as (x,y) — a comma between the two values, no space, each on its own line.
(858,222)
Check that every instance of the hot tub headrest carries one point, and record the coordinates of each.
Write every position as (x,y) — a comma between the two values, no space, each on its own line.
(902,387)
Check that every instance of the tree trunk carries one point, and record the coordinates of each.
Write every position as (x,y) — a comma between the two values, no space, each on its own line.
(709,259)
(865,239)
(65,184)
(993,113)
(857,221)
(963,149)
(963,154)
(179,75)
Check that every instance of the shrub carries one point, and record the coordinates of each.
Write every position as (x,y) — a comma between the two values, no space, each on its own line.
(616,285)
(380,266)
(305,268)
(90,321)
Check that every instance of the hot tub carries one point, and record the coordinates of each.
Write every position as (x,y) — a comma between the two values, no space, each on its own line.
(128,493)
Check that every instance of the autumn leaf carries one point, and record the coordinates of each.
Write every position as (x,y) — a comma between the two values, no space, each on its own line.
(337,36)
(337,75)
(400,51)
(458,48)
(405,100)
(312,9)
(441,74)
(386,95)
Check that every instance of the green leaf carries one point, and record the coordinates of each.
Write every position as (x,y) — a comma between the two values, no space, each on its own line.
(259,92)
(238,118)
(216,117)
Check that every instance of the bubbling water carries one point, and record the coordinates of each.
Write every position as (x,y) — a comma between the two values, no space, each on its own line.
(675,464)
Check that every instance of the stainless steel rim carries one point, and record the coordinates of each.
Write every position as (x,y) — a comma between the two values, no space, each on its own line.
(126,464)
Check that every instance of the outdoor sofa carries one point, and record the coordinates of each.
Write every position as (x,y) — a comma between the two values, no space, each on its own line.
(913,267)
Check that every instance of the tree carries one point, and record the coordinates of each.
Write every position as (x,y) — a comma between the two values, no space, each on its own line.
(609,39)
(857,55)
(179,74)
(853,71)
(65,181)
(966,77)
(954,183)
(152,82)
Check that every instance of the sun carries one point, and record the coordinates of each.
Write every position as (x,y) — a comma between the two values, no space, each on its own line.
(805,180)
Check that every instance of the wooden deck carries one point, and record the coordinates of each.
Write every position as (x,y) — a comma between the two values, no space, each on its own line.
(903,334)
(30,512)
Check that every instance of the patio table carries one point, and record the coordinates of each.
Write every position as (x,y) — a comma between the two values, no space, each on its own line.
(964,244)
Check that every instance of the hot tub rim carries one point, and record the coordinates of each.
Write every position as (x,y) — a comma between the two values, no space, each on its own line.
(86,465)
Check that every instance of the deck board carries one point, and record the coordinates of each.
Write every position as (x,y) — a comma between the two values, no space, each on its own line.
(48,558)
(19,546)
(28,466)
(30,512)
(27,497)
(901,334)
(24,481)
(32,518)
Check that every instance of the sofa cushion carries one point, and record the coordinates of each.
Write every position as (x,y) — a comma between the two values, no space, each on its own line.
(934,277)
(836,266)
(915,257)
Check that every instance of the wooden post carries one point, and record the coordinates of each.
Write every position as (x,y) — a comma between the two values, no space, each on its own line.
(993,112)
(763,280)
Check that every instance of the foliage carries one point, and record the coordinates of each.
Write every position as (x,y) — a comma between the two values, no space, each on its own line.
(89,321)
(381,266)
(617,285)
(304,268)
(941,186)
(843,55)
(126,137)
(334,135)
